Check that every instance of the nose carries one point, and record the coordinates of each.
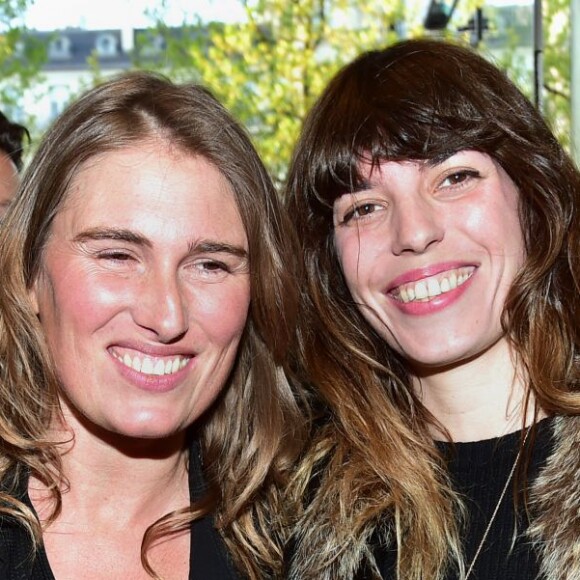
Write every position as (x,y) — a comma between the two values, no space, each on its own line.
(417,226)
(161,307)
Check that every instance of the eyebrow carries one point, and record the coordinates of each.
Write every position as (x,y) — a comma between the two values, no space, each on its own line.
(439,159)
(112,234)
(211,247)
(363,185)
(124,235)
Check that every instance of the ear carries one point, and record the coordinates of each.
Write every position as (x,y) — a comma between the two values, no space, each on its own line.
(33,296)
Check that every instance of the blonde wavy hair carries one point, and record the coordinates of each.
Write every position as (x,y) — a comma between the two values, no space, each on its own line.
(251,437)
(372,475)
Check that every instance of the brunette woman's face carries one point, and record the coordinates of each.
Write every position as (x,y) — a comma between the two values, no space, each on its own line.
(430,251)
(144,291)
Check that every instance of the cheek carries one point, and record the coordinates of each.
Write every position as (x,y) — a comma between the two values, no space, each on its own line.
(494,218)
(223,313)
(514,236)
(68,304)
(360,259)
(348,256)
(498,229)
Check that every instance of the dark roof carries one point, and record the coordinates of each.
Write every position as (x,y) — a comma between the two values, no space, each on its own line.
(70,48)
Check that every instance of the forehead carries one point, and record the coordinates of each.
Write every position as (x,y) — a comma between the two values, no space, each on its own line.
(154,189)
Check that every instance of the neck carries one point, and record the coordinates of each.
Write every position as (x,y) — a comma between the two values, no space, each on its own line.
(148,478)
(477,399)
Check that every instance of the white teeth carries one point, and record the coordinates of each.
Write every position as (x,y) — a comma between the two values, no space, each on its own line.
(428,288)
(420,291)
(153,366)
(159,368)
(147,366)
(433,287)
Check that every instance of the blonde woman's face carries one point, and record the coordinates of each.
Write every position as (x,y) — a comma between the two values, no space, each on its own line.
(430,251)
(144,291)
(8,182)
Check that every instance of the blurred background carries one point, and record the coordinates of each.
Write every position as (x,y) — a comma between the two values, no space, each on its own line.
(267,60)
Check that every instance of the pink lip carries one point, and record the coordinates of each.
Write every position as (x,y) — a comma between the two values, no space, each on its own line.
(154,349)
(435,304)
(154,383)
(419,273)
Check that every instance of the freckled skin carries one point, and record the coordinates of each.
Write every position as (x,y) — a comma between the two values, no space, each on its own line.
(160,290)
(413,216)
(8,182)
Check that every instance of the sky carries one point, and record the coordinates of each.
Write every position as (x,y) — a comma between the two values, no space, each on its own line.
(103,14)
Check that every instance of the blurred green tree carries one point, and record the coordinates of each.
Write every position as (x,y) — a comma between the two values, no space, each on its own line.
(517,55)
(20,61)
(269,68)
(557,88)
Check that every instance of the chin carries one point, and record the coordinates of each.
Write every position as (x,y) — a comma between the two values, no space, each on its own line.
(125,432)
(429,363)
(150,431)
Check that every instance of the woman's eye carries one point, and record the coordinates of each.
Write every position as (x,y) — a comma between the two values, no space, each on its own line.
(212,267)
(360,211)
(459,177)
(115,256)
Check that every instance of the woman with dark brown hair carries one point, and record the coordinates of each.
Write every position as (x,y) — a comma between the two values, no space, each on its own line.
(147,303)
(439,219)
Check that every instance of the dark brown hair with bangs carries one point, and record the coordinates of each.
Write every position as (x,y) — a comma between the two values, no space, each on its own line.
(416,100)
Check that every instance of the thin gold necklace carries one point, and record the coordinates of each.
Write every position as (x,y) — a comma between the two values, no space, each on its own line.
(496,509)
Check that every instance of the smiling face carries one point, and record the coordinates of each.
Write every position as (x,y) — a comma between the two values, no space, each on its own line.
(8,182)
(144,291)
(429,252)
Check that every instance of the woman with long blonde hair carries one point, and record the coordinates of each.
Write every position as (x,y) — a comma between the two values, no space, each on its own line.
(147,303)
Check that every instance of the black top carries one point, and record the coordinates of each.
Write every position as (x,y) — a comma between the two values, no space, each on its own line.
(479,471)
(208,559)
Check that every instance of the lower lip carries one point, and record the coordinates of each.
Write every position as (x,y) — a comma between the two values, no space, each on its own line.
(154,383)
(436,304)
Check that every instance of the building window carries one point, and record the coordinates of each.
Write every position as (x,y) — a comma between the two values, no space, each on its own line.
(59,48)
(106,45)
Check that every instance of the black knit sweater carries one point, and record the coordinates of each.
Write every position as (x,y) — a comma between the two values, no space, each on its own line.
(479,471)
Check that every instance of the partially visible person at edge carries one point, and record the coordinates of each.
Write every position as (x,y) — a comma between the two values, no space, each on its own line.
(11,147)
(147,303)
(439,221)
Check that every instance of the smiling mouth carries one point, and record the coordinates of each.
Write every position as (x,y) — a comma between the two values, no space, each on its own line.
(429,288)
(151,365)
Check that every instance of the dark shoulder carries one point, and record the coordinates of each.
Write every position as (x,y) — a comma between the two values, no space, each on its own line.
(209,556)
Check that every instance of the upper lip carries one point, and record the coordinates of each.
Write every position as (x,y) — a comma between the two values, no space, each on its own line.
(425,272)
(155,350)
